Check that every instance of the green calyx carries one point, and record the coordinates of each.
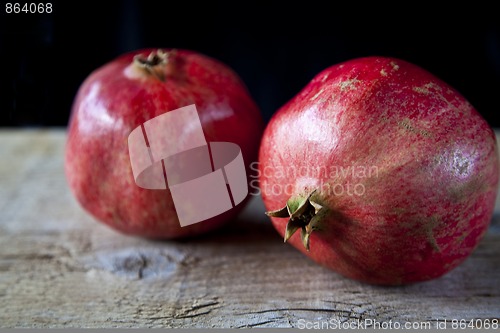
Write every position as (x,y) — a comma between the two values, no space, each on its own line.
(303,213)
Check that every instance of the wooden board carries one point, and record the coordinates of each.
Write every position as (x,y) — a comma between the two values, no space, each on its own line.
(59,268)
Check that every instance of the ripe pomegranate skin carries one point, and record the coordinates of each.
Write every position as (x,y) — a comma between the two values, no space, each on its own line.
(429,196)
(122,95)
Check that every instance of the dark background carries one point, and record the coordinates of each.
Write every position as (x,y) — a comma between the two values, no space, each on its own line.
(275,48)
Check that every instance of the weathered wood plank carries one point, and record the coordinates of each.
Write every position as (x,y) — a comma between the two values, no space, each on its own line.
(59,268)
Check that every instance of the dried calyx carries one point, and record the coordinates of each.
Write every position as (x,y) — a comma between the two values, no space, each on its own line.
(304,213)
(157,63)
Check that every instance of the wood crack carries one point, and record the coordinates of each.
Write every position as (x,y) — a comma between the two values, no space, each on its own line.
(296,309)
(193,310)
(256,324)
(192,315)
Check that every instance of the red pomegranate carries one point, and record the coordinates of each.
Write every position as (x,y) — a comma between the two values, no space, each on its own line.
(389,173)
(122,95)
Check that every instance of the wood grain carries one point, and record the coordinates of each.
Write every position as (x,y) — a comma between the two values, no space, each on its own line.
(59,268)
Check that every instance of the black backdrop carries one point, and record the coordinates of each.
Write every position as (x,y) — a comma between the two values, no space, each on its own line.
(275,48)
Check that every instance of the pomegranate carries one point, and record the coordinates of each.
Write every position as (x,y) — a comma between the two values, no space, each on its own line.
(388,172)
(122,95)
